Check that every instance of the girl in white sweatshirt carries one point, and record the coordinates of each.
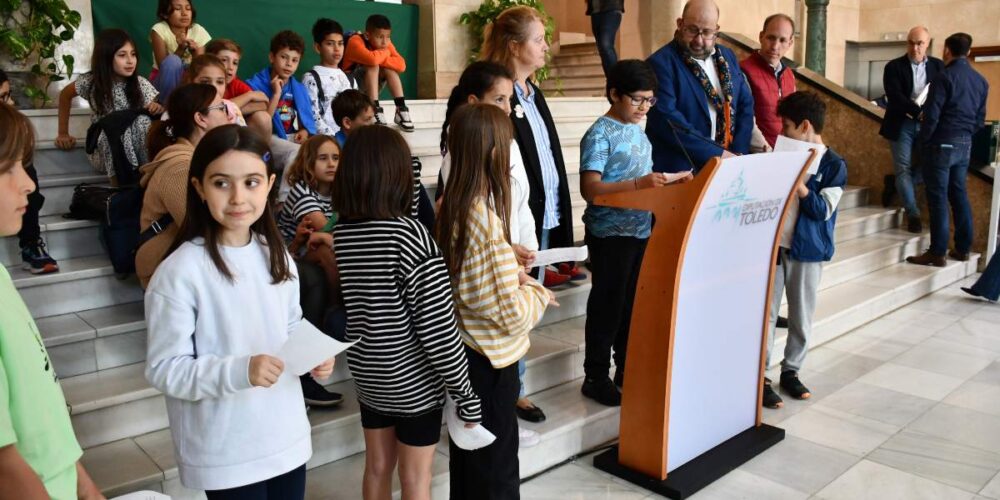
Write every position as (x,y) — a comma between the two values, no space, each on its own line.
(223,298)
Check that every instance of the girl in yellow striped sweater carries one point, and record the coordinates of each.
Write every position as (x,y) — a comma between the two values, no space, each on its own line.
(497,302)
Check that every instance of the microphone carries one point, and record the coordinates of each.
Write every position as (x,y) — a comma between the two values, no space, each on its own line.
(687,130)
(673,128)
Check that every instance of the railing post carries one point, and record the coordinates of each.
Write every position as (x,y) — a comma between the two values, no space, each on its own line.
(991,240)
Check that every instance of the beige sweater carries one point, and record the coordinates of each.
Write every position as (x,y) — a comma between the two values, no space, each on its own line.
(495,312)
(166,182)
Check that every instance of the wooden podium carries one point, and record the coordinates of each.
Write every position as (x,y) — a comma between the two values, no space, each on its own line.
(691,407)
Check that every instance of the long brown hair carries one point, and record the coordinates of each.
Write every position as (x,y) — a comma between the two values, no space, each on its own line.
(375,176)
(301,170)
(17,138)
(198,222)
(479,143)
(102,69)
(512,25)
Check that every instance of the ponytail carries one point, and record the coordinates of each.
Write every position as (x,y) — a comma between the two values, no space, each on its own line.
(185,101)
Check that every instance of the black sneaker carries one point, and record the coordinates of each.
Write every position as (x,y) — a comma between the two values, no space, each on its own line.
(791,384)
(317,395)
(603,391)
(37,260)
(380,116)
(914,224)
(782,322)
(771,399)
(531,414)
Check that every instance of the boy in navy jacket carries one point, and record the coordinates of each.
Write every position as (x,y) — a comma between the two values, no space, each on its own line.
(806,241)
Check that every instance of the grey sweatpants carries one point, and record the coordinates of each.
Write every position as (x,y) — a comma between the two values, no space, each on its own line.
(800,281)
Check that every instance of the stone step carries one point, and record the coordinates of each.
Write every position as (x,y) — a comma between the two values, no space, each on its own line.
(575,424)
(575,59)
(862,256)
(842,308)
(98,339)
(577,48)
(575,83)
(94,345)
(578,70)
(82,283)
(65,239)
(46,122)
(48,160)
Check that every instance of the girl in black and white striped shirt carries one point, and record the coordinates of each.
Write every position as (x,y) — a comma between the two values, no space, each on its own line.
(397,295)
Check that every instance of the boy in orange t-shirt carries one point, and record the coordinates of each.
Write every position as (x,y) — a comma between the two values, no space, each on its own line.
(371,58)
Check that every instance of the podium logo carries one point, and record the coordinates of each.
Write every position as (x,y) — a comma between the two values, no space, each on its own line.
(737,206)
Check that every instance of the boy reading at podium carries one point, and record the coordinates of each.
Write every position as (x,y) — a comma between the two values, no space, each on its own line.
(616,155)
(806,241)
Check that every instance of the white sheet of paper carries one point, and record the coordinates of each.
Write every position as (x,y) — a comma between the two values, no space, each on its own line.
(922,98)
(786,144)
(554,255)
(143,495)
(307,347)
(465,438)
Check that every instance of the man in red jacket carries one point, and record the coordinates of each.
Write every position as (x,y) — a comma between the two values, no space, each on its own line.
(769,78)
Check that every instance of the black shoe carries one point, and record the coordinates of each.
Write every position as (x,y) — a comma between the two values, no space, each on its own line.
(782,322)
(317,395)
(914,225)
(532,414)
(603,391)
(791,384)
(959,256)
(889,192)
(619,379)
(771,399)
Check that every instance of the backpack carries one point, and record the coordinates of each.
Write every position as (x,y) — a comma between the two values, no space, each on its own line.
(118,208)
(320,95)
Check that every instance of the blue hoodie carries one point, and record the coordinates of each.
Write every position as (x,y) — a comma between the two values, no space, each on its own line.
(813,237)
(303,107)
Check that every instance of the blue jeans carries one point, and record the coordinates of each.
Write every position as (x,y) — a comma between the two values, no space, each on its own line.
(902,158)
(605,27)
(988,285)
(947,166)
(168,77)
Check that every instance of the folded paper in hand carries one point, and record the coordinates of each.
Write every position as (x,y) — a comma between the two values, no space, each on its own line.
(786,144)
(464,437)
(307,347)
(143,495)
(554,255)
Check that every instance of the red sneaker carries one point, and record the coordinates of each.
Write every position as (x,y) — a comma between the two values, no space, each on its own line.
(553,279)
(573,271)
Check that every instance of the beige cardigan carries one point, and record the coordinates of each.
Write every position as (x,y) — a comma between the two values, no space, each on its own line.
(166,182)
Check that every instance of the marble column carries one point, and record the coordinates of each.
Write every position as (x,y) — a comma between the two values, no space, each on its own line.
(444,45)
(816,35)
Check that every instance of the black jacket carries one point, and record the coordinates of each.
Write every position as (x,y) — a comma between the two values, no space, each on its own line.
(561,235)
(956,104)
(898,82)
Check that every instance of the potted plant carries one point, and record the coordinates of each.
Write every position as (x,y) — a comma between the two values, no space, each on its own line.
(478,19)
(30,33)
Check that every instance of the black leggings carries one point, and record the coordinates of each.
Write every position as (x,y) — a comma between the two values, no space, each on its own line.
(288,486)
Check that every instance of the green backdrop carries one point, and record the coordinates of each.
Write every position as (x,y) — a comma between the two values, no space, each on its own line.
(252,23)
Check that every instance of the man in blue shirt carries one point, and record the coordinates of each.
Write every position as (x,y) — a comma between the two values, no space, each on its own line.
(955,109)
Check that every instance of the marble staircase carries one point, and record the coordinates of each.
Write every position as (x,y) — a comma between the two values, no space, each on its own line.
(576,72)
(93,326)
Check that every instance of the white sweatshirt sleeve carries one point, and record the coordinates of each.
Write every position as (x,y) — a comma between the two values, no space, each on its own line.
(173,365)
(521,191)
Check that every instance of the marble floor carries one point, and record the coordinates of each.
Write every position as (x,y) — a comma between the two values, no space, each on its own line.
(905,407)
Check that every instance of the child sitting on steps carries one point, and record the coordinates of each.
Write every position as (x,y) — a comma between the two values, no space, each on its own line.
(176,39)
(372,59)
(326,80)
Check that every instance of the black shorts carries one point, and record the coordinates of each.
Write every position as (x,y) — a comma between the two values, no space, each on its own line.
(419,430)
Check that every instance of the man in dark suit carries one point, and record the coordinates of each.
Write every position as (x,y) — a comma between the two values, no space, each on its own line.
(955,110)
(704,107)
(905,79)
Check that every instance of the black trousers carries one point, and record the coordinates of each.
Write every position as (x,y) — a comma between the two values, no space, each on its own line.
(288,486)
(489,473)
(30,233)
(614,266)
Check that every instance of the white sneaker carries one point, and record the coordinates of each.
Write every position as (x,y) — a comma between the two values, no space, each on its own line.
(403,119)
(380,116)
(527,438)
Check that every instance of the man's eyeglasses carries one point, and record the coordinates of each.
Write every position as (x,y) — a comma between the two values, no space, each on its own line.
(639,101)
(706,33)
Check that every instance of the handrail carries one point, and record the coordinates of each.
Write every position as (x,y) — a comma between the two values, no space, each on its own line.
(991,240)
